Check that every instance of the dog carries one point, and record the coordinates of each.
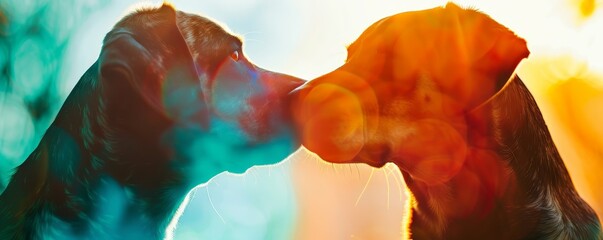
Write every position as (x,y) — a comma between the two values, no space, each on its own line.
(434,92)
(171,102)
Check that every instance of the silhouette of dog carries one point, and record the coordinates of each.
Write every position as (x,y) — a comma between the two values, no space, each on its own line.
(170,102)
(434,92)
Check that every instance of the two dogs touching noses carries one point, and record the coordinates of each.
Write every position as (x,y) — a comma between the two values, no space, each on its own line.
(172,101)
(435,93)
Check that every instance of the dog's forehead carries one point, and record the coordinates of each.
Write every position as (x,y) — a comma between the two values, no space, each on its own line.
(464,52)
(437,29)
(208,42)
(198,30)
(146,20)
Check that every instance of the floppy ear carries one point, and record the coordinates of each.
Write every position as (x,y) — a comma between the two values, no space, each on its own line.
(497,65)
(495,53)
(124,64)
(149,58)
(475,55)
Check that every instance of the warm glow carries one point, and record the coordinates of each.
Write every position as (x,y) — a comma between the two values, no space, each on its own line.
(564,71)
(50,44)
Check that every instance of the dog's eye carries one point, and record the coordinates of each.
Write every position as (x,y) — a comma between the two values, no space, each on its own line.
(235,55)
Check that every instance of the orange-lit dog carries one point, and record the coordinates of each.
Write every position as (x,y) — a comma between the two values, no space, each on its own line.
(434,92)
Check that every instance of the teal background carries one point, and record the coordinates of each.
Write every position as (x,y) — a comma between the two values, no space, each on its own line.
(45,47)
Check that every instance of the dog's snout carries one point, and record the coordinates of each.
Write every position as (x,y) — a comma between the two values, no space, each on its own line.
(279,82)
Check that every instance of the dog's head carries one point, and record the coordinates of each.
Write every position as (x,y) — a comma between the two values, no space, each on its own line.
(180,83)
(406,88)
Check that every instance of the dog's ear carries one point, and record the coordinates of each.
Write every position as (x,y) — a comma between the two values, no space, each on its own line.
(468,55)
(127,67)
(493,53)
(146,55)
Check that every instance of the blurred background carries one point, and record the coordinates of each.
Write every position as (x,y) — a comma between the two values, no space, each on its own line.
(45,46)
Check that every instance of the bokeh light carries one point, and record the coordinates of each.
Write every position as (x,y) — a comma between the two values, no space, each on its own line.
(45,46)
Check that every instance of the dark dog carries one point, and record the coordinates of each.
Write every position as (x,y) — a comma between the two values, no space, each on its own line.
(170,103)
(434,92)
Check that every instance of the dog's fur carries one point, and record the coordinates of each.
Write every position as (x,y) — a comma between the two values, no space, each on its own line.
(170,103)
(434,92)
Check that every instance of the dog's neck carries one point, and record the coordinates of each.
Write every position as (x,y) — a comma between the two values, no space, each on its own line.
(526,191)
(81,182)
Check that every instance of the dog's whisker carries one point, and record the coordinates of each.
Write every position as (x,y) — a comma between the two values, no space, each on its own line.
(395,172)
(255,176)
(214,182)
(386,185)
(137,117)
(253,40)
(248,39)
(193,193)
(212,204)
(249,32)
(365,186)
(469,141)
(392,171)
(334,169)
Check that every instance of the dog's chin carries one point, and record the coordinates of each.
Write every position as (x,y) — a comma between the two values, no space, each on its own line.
(266,120)
(267,152)
(269,134)
(376,159)
(269,116)
(374,164)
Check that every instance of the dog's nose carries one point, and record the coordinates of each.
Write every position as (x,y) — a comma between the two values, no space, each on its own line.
(269,104)
(330,121)
(335,115)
